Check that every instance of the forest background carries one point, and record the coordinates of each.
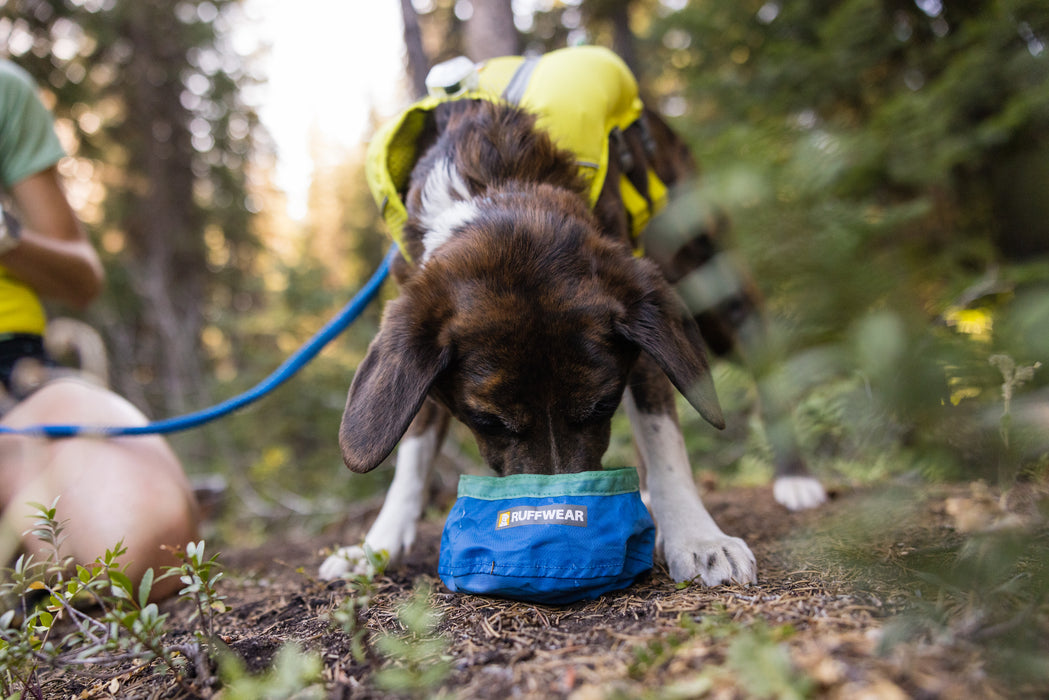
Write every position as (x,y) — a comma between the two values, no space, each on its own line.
(884,163)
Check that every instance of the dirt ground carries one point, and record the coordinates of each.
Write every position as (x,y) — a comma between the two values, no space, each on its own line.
(809,628)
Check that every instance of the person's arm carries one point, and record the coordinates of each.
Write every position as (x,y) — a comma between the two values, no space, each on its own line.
(54,255)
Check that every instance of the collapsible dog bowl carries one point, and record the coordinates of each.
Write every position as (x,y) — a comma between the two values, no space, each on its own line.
(547,539)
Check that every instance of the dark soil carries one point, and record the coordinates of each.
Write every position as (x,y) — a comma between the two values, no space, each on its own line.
(811,626)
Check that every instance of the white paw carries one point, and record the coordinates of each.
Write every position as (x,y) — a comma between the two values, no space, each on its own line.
(714,561)
(347,562)
(798,492)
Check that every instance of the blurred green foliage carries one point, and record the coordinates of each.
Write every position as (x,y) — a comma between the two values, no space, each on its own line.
(858,148)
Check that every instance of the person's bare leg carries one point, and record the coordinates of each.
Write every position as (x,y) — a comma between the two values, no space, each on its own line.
(131,488)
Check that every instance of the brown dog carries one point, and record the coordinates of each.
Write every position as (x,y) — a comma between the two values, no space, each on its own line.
(526,314)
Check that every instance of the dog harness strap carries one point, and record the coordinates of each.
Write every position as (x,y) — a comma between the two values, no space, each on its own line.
(640,208)
(515,90)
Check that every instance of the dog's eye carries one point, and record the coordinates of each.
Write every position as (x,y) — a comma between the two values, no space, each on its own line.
(489,424)
(601,410)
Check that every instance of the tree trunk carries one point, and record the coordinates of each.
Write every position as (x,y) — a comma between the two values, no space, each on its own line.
(617,14)
(164,234)
(623,41)
(490,31)
(418,63)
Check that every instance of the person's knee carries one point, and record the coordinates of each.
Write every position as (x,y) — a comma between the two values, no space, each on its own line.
(74,402)
(123,489)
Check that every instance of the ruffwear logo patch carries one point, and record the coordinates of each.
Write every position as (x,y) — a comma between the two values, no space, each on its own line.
(556,514)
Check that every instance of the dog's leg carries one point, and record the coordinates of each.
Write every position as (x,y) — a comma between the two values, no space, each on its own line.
(692,543)
(685,242)
(394,529)
(794,485)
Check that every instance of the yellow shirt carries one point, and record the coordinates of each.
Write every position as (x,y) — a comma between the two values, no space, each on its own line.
(20,308)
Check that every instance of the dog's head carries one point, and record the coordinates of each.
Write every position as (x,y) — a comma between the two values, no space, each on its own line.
(525,325)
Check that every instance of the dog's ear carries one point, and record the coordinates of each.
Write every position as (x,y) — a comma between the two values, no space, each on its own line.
(389,387)
(660,325)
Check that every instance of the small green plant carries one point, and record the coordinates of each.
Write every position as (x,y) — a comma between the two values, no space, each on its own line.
(656,652)
(46,625)
(757,659)
(349,616)
(990,594)
(418,658)
(200,576)
(295,674)
(762,664)
(1013,377)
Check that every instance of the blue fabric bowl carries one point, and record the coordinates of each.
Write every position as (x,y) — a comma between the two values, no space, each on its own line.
(547,539)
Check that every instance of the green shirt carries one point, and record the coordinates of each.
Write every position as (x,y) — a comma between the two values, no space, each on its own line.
(28,145)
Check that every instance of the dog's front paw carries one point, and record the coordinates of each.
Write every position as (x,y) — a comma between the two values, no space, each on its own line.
(798,492)
(347,562)
(714,561)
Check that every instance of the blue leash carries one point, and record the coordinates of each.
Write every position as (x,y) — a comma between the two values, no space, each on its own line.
(293,364)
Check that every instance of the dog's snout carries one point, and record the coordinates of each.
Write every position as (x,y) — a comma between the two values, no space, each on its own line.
(553,444)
